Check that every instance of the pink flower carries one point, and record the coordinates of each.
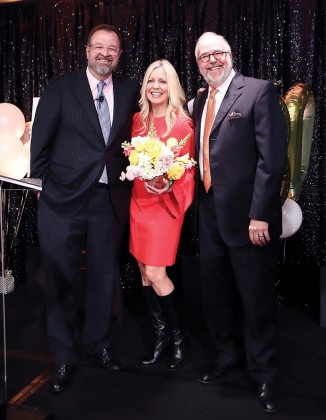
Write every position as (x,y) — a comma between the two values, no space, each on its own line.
(127,152)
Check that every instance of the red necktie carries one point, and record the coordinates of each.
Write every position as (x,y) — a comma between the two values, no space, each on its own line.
(210,116)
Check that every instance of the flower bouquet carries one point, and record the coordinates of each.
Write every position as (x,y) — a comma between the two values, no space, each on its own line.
(150,158)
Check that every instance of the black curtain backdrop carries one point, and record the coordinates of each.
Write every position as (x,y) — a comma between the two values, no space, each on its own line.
(279,40)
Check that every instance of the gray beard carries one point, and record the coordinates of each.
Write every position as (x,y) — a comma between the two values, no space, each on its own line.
(103,70)
(218,80)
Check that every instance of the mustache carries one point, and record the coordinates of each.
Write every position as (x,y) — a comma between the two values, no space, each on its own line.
(105,57)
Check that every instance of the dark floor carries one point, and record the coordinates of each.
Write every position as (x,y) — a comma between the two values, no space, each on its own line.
(139,393)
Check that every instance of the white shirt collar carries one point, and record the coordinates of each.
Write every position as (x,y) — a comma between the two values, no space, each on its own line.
(223,87)
(93,81)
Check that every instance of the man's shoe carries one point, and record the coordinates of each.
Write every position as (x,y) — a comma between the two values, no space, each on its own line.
(214,374)
(268,398)
(105,360)
(62,378)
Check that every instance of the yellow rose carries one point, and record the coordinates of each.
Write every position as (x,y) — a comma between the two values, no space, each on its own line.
(176,171)
(133,157)
(171,142)
(153,148)
(138,146)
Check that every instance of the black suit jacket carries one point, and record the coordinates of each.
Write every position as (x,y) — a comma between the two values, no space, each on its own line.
(248,154)
(68,151)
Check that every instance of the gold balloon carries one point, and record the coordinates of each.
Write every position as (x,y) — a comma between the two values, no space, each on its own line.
(300,103)
(285,187)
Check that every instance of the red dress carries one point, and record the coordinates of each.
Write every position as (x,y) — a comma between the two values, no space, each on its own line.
(156,219)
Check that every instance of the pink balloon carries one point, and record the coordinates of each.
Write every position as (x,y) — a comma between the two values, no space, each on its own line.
(11,153)
(21,168)
(12,120)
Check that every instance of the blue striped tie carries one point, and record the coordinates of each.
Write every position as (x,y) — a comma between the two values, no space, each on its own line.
(104,117)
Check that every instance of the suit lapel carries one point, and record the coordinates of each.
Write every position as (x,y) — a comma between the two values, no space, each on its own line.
(232,94)
(119,105)
(198,112)
(83,92)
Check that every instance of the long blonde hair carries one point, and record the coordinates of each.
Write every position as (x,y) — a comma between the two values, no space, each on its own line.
(176,95)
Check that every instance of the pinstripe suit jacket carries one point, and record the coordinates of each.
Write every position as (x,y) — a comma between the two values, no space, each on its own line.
(68,151)
(248,152)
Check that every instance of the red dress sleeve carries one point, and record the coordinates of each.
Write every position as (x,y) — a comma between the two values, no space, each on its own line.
(137,127)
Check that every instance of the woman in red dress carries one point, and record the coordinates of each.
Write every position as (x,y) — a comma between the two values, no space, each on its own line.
(157,208)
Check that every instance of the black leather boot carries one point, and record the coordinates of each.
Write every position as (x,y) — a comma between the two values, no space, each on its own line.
(179,349)
(178,340)
(161,333)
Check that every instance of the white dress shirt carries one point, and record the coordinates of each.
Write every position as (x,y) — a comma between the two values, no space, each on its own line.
(222,89)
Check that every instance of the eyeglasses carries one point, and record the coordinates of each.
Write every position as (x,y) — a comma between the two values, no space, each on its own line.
(217,55)
(100,48)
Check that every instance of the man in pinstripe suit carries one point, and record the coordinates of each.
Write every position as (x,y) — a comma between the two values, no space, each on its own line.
(83,203)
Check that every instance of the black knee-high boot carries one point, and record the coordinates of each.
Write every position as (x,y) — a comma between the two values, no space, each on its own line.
(161,333)
(178,339)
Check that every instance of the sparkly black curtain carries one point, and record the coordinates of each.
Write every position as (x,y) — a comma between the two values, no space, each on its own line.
(276,39)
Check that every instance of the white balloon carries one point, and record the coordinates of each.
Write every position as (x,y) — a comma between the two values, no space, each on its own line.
(291,218)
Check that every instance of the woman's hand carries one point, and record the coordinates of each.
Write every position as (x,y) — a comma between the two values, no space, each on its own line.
(158,185)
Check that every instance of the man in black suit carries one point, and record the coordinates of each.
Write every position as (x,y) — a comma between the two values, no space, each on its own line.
(83,203)
(239,212)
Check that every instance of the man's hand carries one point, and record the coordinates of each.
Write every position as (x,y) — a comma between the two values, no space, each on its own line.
(258,232)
